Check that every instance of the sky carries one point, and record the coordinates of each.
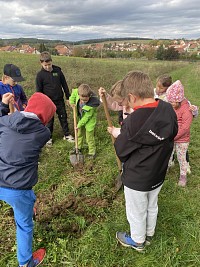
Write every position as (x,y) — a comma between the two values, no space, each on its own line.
(75,20)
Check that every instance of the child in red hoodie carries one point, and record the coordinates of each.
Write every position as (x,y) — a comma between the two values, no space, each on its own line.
(22,136)
(175,96)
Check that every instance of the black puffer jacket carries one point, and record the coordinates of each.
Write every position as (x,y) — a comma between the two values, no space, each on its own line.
(145,145)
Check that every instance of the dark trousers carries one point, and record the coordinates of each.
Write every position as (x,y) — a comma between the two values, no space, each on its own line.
(62,116)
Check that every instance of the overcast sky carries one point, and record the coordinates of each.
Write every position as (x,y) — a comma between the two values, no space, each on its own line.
(74,20)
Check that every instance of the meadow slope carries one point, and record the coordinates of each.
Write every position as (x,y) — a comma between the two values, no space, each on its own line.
(79,211)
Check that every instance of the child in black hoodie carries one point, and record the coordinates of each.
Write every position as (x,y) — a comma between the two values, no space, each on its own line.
(51,81)
(144,146)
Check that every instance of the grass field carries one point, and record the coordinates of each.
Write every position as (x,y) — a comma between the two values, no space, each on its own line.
(79,211)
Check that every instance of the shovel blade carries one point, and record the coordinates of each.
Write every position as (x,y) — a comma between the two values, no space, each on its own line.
(77,160)
(118,182)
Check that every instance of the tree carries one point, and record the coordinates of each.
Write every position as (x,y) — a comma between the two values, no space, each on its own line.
(42,48)
(150,53)
(160,52)
(78,52)
(171,53)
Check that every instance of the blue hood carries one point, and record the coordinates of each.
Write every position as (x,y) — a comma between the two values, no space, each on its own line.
(21,140)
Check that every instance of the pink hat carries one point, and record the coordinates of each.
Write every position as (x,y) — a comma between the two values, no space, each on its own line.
(175,92)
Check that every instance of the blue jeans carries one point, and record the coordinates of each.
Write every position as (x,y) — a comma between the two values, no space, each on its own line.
(22,202)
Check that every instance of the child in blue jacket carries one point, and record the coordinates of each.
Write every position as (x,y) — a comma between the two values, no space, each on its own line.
(11,77)
(22,136)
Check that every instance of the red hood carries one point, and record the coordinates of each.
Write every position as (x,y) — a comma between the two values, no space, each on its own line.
(42,106)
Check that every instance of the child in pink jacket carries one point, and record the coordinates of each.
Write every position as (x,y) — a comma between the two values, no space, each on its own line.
(175,96)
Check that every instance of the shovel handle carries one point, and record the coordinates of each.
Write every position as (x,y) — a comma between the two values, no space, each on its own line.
(75,130)
(11,107)
(105,105)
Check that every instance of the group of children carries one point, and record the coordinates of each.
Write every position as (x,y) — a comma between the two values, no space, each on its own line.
(155,123)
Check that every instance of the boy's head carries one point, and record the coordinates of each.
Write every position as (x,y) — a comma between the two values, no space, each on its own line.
(116,94)
(175,94)
(11,74)
(46,61)
(137,83)
(162,83)
(42,106)
(84,92)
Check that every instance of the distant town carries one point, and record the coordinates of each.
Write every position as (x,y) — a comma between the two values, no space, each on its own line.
(145,49)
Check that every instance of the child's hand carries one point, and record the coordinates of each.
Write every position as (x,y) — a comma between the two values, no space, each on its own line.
(72,105)
(8,98)
(67,102)
(110,129)
(193,108)
(102,91)
(24,106)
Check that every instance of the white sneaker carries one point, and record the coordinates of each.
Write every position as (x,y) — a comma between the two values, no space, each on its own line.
(49,143)
(188,168)
(69,138)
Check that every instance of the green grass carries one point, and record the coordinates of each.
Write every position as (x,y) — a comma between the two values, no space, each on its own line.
(79,211)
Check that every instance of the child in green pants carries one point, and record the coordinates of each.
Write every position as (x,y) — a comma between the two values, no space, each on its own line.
(86,105)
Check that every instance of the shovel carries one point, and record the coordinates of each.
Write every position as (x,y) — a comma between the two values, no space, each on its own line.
(11,107)
(77,159)
(118,181)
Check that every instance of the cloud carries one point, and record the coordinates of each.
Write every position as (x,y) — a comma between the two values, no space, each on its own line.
(87,19)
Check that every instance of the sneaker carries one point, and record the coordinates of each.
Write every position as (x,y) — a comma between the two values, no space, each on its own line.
(148,240)
(188,169)
(127,241)
(49,143)
(69,138)
(37,258)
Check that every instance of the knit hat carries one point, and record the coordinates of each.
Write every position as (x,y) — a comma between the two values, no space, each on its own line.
(175,92)
(42,106)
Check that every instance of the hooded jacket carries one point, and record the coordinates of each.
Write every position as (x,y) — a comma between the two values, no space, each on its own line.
(145,146)
(88,118)
(22,135)
(18,92)
(52,83)
(184,116)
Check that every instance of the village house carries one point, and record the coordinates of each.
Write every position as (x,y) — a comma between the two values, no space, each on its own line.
(63,50)
(8,48)
(27,49)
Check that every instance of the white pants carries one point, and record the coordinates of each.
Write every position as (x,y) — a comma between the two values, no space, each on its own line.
(141,212)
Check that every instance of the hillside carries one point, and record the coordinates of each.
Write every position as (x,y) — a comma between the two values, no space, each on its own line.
(79,211)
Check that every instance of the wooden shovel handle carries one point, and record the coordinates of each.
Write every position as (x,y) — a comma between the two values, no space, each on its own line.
(105,105)
(11,107)
(75,130)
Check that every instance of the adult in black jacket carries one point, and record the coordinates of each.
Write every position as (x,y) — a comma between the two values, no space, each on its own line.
(144,146)
(51,81)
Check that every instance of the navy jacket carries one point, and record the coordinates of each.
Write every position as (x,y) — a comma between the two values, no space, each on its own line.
(18,92)
(145,146)
(22,135)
